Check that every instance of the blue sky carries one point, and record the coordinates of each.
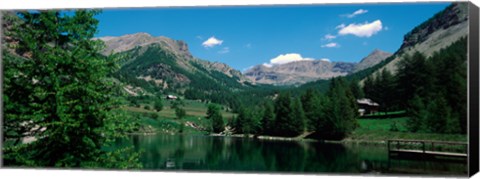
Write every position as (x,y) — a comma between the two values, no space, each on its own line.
(244,36)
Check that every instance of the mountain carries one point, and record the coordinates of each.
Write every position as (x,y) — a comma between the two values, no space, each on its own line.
(372,59)
(153,65)
(438,32)
(300,72)
(176,47)
(130,41)
(297,72)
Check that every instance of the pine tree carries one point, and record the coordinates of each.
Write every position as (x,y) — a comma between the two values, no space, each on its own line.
(249,121)
(414,77)
(356,89)
(417,113)
(368,87)
(180,112)
(214,114)
(268,118)
(158,104)
(285,122)
(340,112)
(242,121)
(386,87)
(57,90)
(438,114)
(311,103)
(451,78)
(298,116)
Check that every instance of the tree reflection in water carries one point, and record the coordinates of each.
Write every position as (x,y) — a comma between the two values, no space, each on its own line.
(205,153)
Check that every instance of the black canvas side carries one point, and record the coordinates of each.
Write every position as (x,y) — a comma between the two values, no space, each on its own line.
(473,132)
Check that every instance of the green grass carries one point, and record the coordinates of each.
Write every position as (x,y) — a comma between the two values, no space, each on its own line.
(379,130)
(384,113)
(165,125)
(382,124)
(193,108)
(167,122)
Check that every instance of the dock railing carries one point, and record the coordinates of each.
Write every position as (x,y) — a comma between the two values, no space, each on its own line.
(427,148)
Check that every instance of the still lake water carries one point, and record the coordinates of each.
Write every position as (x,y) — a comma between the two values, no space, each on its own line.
(233,154)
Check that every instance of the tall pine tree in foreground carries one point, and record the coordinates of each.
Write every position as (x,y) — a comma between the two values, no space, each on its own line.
(58,95)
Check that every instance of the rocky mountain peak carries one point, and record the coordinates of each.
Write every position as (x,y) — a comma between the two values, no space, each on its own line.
(130,41)
(454,14)
(375,57)
(297,72)
(300,72)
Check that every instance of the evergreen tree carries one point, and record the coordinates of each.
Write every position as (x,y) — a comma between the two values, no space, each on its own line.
(298,116)
(146,107)
(417,114)
(135,102)
(57,90)
(240,122)
(437,114)
(414,77)
(268,118)
(311,103)
(285,122)
(214,114)
(178,105)
(368,87)
(440,81)
(385,90)
(340,112)
(452,125)
(158,104)
(180,112)
(248,121)
(255,122)
(451,77)
(356,89)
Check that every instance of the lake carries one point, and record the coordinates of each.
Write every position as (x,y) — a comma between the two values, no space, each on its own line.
(236,154)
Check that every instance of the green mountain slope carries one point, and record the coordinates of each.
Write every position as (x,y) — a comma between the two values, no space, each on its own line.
(157,69)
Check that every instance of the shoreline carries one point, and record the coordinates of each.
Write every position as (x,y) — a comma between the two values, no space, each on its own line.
(348,140)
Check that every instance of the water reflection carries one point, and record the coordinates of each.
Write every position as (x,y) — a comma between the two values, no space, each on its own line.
(200,153)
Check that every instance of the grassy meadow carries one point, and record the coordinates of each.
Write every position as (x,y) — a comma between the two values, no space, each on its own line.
(379,130)
(165,121)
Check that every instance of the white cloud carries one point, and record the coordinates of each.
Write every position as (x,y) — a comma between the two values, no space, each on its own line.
(211,42)
(329,37)
(325,60)
(340,26)
(267,65)
(361,30)
(286,58)
(199,37)
(331,45)
(224,50)
(357,12)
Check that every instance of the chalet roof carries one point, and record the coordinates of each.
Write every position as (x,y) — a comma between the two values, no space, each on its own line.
(367,101)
